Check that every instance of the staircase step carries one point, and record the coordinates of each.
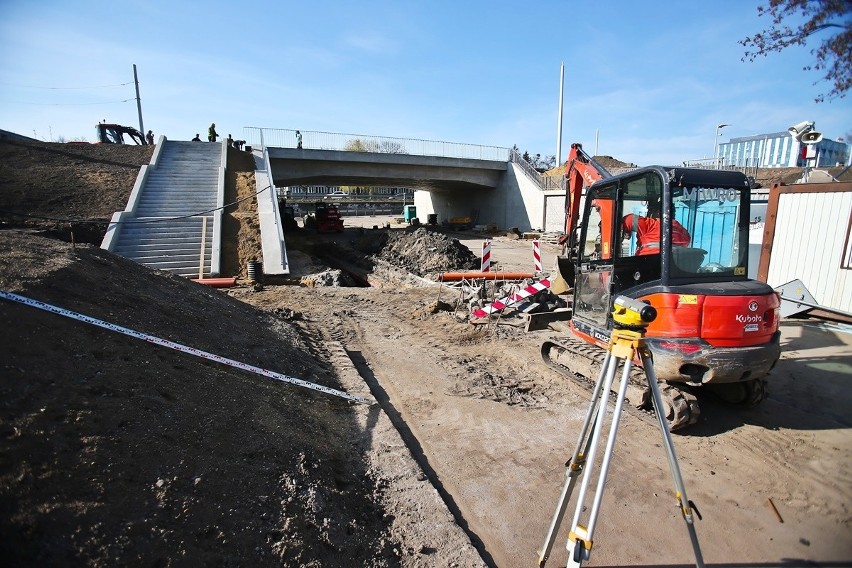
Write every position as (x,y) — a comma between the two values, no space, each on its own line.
(173,246)
(184,182)
(175,236)
(182,259)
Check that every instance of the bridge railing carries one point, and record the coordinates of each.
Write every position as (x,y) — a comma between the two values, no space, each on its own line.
(720,163)
(285,138)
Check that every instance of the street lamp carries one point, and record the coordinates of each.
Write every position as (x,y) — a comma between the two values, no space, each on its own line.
(716,141)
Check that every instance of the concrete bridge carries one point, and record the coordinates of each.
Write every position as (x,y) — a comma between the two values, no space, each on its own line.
(491,184)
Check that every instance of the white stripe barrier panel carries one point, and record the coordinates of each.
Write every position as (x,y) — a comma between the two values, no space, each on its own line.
(486,256)
(536,246)
(178,347)
(503,303)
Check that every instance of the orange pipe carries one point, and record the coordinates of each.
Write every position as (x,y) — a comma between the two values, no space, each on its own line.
(455,276)
(217,282)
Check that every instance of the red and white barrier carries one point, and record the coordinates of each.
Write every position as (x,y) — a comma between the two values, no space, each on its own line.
(503,303)
(536,247)
(486,255)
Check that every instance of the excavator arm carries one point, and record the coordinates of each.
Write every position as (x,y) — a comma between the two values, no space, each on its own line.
(114,134)
(581,171)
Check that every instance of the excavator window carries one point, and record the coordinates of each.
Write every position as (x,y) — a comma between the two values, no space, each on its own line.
(714,217)
(641,225)
(597,244)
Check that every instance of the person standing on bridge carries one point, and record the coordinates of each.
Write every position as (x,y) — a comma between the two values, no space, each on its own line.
(298,139)
(211,133)
(150,137)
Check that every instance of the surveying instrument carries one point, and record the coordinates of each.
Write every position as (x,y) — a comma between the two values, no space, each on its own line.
(631,318)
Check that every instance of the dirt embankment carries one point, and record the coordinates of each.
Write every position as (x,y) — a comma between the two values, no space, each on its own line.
(65,188)
(115,451)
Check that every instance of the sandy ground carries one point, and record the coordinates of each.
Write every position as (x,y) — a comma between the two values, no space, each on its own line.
(502,462)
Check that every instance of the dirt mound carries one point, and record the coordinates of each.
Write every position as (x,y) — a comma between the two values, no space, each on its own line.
(419,251)
(52,186)
(115,451)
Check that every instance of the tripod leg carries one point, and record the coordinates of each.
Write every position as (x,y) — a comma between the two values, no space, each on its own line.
(574,468)
(579,535)
(683,502)
(584,536)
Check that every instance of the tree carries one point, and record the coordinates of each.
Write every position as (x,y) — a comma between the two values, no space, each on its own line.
(539,163)
(832,55)
(377,146)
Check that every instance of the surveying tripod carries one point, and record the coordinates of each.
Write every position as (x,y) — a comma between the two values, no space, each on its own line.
(631,319)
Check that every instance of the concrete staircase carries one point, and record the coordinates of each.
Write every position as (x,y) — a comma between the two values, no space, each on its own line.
(169,218)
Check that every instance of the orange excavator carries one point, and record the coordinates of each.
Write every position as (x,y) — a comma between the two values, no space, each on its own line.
(676,238)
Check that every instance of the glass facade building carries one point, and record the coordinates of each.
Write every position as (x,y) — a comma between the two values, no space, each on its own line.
(780,150)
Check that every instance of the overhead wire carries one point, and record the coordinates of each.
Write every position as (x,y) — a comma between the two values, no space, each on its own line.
(67,89)
(69,104)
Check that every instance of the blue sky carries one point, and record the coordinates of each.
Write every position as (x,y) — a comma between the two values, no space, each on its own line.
(651,78)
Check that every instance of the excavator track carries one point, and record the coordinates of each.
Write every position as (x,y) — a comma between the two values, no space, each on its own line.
(582,362)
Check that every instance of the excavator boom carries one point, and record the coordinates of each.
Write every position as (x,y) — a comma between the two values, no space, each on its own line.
(581,171)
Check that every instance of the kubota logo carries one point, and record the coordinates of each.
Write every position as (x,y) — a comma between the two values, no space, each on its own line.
(753,306)
(748,319)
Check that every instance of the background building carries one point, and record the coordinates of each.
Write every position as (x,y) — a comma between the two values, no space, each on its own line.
(780,150)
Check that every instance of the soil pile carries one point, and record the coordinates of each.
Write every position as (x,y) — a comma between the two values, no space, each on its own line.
(67,187)
(116,451)
(419,251)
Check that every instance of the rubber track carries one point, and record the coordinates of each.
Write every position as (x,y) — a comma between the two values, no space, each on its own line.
(684,405)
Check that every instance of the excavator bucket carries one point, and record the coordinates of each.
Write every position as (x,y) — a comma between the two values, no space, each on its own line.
(564,280)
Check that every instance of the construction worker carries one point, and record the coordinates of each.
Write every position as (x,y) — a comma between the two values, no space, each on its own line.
(150,137)
(647,230)
(211,133)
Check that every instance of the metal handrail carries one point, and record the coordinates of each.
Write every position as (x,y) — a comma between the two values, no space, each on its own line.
(526,166)
(316,140)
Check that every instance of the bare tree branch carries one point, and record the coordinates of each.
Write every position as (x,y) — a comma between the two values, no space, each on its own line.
(834,54)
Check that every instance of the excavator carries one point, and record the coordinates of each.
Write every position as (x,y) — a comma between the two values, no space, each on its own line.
(677,239)
(114,134)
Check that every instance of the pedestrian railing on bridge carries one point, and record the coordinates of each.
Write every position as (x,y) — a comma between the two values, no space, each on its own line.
(260,138)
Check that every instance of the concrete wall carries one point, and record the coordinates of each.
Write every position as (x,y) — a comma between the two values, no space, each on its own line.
(523,200)
(517,201)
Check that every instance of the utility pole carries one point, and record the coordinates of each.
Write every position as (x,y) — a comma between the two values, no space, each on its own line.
(138,102)
(559,120)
